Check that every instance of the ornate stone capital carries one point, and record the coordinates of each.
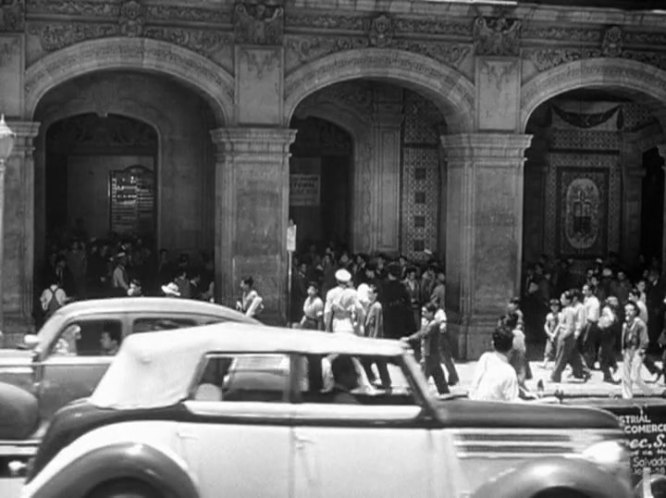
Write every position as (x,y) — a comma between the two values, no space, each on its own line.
(265,142)
(26,131)
(497,36)
(259,22)
(494,148)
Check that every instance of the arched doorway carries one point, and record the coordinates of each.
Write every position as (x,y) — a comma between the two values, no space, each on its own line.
(116,164)
(104,167)
(320,179)
(593,185)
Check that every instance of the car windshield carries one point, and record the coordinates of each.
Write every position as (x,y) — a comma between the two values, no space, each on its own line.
(49,330)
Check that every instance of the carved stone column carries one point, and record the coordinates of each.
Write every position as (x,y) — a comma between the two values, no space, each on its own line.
(386,125)
(484,226)
(251,210)
(18,234)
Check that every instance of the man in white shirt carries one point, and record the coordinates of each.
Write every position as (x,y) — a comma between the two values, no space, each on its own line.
(495,379)
(591,332)
(342,311)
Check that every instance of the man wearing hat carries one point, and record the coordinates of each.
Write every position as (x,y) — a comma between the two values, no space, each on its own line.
(342,311)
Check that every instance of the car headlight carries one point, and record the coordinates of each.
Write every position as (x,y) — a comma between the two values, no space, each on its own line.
(611,456)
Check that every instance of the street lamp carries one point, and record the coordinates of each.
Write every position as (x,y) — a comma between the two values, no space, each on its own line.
(7,138)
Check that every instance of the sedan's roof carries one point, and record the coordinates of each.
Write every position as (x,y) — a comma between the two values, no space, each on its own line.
(157,369)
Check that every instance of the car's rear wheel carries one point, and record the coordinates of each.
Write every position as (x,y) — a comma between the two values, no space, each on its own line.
(126,488)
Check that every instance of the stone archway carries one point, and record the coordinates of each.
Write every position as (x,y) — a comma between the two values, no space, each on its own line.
(187,67)
(591,73)
(451,91)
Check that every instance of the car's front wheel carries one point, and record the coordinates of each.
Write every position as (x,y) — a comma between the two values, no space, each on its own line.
(126,488)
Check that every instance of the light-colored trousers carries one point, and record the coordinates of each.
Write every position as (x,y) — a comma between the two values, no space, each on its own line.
(631,373)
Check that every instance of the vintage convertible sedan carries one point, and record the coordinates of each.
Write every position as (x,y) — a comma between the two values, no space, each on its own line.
(246,411)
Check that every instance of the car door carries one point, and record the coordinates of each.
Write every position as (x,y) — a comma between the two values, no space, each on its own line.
(237,438)
(366,443)
(74,362)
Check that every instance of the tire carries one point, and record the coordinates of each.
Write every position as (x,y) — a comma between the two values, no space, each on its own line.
(126,488)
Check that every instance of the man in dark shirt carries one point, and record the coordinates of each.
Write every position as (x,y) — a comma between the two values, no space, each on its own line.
(395,305)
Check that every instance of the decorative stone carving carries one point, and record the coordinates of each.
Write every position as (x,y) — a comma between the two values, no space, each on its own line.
(56,36)
(357,95)
(308,48)
(262,62)
(545,59)
(328,22)
(74,7)
(259,23)
(381,31)
(561,34)
(176,12)
(497,36)
(433,27)
(643,38)
(203,41)
(132,18)
(611,45)
(12,15)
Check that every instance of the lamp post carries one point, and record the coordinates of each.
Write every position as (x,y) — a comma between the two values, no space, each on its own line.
(7,137)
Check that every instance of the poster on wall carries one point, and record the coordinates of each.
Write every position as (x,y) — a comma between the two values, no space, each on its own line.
(132,200)
(304,190)
(582,215)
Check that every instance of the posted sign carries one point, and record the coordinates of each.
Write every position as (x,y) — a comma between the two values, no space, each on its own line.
(304,190)
(291,237)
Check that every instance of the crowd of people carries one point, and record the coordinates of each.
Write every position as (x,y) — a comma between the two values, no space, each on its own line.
(79,267)
(587,321)
(379,298)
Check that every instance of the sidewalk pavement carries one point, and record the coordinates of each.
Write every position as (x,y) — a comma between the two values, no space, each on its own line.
(569,386)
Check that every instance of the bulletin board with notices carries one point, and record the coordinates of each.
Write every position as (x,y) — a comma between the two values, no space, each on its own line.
(132,199)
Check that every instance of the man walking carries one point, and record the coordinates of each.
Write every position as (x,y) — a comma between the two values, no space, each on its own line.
(635,342)
(342,311)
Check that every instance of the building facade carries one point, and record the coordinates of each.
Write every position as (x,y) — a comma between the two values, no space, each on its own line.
(486,134)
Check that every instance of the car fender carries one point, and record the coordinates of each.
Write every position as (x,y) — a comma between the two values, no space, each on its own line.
(542,474)
(126,460)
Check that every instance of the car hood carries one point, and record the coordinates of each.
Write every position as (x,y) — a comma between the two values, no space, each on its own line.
(528,415)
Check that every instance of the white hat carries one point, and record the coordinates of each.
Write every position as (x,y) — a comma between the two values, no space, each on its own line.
(171,289)
(342,276)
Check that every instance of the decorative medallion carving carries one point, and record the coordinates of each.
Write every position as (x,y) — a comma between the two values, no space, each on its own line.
(611,45)
(258,22)
(132,18)
(381,31)
(12,15)
(497,36)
